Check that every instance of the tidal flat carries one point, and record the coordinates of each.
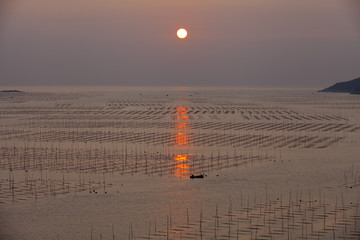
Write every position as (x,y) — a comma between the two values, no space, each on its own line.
(114,163)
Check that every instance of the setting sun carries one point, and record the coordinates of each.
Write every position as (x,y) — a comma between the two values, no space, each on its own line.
(182,33)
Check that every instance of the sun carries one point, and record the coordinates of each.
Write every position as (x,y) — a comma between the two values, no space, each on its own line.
(181,33)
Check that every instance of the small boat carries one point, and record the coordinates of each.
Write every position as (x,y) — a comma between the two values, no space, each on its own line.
(197,176)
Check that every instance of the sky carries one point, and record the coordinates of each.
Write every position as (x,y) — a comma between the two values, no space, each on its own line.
(244,43)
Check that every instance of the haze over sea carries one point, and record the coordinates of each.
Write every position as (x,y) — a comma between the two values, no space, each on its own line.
(256,43)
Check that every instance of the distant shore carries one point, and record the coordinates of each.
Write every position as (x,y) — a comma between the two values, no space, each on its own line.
(11,91)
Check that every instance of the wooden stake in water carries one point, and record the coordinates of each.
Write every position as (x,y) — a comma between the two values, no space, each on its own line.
(201,216)
(91,232)
(215,228)
(167,227)
(187,216)
(170,218)
(131,234)
(237,230)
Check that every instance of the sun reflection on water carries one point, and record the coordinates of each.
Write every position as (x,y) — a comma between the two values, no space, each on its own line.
(182,139)
(182,167)
(182,125)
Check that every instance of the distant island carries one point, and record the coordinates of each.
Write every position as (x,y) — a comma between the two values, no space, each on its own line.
(352,87)
(11,91)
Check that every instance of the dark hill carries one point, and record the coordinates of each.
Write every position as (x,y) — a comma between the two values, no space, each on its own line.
(352,87)
(11,91)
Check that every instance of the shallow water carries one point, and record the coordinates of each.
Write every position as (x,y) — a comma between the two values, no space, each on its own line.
(114,163)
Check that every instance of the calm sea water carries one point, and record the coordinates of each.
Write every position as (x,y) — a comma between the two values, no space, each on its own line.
(99,162)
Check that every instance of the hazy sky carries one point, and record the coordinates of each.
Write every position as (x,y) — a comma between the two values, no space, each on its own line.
(305,43)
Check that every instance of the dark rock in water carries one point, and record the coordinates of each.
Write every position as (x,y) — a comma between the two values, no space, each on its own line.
(352,87)
(11,91)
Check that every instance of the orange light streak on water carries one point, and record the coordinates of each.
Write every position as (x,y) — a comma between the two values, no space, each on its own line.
(181,158)
(182,139)
(182,125)
(182,167)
